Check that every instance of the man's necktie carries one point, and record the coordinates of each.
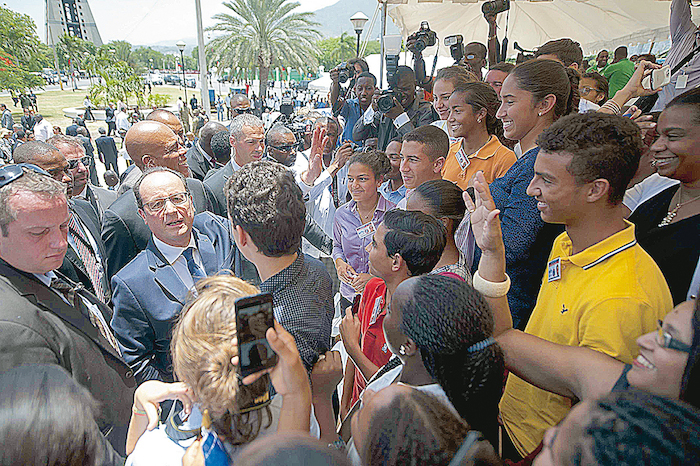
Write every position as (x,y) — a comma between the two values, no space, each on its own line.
(195,270)
(74,299)
(87,256)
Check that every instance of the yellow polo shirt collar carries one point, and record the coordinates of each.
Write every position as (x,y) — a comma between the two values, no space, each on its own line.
(599,252)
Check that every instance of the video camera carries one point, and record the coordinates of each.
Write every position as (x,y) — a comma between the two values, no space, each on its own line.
(385,102)
(494,7)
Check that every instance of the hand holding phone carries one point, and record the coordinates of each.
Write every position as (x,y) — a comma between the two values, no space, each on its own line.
(254,316)
(657,78)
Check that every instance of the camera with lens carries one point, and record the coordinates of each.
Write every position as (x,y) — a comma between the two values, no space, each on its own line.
(385,102)
(494,7)
(286,107)
(423,38)
(345,72)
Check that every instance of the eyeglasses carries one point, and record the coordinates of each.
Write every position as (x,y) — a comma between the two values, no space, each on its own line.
(586,90)
(243,110)
(665,340)
(10,173)
(158,205)
(285,148)
(73,164)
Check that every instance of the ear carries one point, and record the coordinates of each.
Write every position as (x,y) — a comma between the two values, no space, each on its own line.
(147,161)
(411,347)
(142,214)
(574,66)
(546,104)
(597,190)
(481,114)
(397,262)
(438,164)
(239,235)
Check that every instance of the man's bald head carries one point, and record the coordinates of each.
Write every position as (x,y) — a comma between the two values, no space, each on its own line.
(169,119)
(207,132)
(144,139)
(240,101)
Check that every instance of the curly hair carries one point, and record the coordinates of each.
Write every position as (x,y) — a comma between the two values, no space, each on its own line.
(444,198)
(601,146)
(414,428)
(265,200)
(480,95)
(375,160)
(201,349)
(444,317)
(544,77)
(633,427)
(417,237)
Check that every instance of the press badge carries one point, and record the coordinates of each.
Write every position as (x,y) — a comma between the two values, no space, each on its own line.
(682,81)
(462,159)
(366,230)
(554,270)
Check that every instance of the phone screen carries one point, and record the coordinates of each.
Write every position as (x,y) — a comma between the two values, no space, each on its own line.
(254,315)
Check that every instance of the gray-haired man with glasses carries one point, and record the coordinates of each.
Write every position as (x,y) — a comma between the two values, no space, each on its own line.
(150,291)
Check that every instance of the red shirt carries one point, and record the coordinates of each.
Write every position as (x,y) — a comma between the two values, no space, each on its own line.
(372,340)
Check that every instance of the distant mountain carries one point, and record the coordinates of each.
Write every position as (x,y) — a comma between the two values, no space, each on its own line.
(335,19)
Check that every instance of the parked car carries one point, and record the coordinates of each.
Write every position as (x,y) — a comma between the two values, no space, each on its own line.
(191,82)
(172,79)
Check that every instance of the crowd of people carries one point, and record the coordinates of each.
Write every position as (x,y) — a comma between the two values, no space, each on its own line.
(498,266)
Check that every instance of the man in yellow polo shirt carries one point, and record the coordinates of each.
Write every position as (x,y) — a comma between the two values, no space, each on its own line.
(601,290)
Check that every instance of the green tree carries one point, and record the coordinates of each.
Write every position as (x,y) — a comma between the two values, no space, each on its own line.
(263,34)
(333,51)
(13,77)
(19,39)
(119,82)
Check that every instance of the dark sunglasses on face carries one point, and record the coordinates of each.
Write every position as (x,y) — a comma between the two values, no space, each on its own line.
(241,111)
(10,173)
(285,148)
(72,164)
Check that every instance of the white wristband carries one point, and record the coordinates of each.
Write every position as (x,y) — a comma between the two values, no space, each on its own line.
(491,289)
(401,120)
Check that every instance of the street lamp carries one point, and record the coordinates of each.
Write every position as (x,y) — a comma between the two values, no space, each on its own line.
(358,21)
(181,47)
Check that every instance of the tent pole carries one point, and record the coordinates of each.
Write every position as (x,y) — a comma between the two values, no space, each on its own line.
(381,45)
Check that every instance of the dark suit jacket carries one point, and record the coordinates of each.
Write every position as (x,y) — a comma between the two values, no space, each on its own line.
(214,184)
(72,266)
(38,327)
(72,130)
(198,162)
(87,144)
(149,295)
(107,148)
(125,233)
(100,199)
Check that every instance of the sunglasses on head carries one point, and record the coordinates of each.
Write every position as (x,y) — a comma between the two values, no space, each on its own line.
(72,164)
(10,173)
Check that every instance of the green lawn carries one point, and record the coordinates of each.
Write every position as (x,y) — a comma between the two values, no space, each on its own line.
(52,103)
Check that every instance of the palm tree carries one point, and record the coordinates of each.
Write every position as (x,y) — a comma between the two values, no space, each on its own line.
(262,34)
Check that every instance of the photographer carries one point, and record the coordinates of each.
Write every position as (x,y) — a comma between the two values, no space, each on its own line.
(350,70)
(352,109)
(406,114)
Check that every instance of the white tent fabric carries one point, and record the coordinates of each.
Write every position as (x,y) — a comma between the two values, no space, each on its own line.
(595,24)
(322,84)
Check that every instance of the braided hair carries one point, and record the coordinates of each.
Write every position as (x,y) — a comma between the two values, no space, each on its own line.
(634,427)
(445,317)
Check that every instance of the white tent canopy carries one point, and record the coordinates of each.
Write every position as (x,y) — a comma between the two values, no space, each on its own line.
(595,24)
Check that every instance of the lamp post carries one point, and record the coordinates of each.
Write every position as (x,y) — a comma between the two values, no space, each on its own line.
(358,21)
(181,47)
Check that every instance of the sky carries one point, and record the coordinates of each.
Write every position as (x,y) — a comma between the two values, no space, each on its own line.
(144,22)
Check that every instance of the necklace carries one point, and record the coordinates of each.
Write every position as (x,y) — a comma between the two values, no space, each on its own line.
(673,212)
(366,218)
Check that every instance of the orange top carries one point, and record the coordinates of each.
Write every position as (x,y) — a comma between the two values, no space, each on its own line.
(494,159)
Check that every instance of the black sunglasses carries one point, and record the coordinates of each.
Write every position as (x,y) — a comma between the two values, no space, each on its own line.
(73,164)
(10,173)
(243,110)
(285,148)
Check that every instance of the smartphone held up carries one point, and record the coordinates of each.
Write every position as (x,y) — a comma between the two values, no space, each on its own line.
(254,315)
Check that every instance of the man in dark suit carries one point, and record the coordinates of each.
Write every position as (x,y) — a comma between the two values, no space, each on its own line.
(85,261)
(200,157)
(150,291)
(149,144)
(79,164)
(46,319)
(107,150)
(110,119)
(84,137)
(72,129)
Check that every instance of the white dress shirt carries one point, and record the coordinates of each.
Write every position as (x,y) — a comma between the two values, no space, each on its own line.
(173,254)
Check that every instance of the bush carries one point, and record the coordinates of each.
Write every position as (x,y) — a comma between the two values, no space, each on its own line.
(158,100)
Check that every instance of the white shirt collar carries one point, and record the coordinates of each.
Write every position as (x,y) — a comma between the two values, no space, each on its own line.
(45,278)
(171,253)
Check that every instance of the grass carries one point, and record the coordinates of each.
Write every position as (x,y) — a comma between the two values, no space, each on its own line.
(52,103)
